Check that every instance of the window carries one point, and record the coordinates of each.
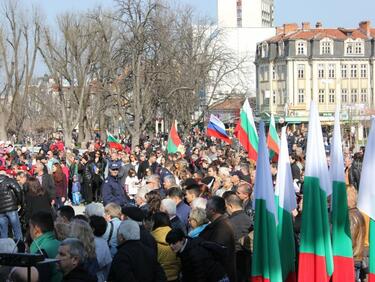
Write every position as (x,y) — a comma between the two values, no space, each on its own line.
(331,96)
(301,71)
(331,71)
(363,95)
(344,95)
(282,96)
(273,72)
(363,71)
(320,71)
(265,72)
(354,47)
(301,47)
(344,71)
(326,46)
(353,71)
(354,93)
(281,48)
(274,97)
(239,13)
(321,96)
(264,50)
(301,96)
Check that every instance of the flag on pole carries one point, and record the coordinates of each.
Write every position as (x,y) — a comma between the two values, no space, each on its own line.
(266,257)
(286,203)
(273,141)
(366,197)
(315,258)
(246,131)
(216,129)
(341,239)
(113,142)
(174,141)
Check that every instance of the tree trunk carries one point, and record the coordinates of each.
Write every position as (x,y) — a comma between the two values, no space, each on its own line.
(135,139)
(3,130)
(68,138)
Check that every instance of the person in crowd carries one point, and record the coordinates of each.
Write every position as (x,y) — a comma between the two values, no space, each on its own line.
(61,185)
(182,209)
(296,172)
(112,190)
(244,192)
(71,256)
(94,209)
(227,186)
(169,207)
(112,214)
(44,242)
(199,259)
(103,254)
(46,181)
(98,166)
(140,200)
(131,183)
(192,192)
(65,214)
(166,257)
(241,225)
(86,172)
(76,190)
(165,172)
(153,200)
(36,199)
(150,163)
(199,202)
(221,232)
(11,196)
(136,214)
(169,182)
(81,230)
(197,221)
(153,184)
(134,261)
(51,160)
(7,245)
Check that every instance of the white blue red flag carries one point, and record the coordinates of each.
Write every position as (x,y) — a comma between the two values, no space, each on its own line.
(216,128)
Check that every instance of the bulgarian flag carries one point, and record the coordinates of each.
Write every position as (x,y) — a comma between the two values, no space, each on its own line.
(341,239)
(286,202)
(246,131)
(366,197)
(113,142)
(174,141)
(266,257)
(273,140)
(315,258)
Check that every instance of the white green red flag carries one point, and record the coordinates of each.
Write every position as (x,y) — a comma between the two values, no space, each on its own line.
(266,257)
(341,238)
(366,197)
(273,140)
(286,202)
(315,258)
(174,141)
(246,131)
(113,142)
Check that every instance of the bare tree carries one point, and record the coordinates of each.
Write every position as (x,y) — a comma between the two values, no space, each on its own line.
(19,40)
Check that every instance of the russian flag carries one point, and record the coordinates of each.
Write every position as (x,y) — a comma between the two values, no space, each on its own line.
(216,129)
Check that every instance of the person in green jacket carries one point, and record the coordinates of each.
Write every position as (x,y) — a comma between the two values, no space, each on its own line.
(44,240)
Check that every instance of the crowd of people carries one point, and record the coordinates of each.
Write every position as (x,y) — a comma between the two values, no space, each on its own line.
(149,215)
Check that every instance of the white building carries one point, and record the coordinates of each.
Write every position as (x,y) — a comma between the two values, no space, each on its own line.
(244,23)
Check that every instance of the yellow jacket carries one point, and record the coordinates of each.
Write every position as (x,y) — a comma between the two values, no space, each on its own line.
(166,257)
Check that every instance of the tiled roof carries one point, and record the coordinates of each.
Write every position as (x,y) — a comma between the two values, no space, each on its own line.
(320,33)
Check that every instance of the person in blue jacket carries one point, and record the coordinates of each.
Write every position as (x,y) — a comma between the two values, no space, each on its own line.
(112,190)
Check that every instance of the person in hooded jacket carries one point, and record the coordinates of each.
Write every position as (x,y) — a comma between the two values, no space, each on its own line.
(112,190)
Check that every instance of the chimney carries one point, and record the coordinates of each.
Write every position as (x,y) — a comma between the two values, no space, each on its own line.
(306,26)
(365,27)
(319,25)
(290,28)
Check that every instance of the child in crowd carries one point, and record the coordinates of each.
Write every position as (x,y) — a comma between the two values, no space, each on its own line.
(76,190)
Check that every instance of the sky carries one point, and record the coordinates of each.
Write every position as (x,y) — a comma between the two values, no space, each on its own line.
(332,13)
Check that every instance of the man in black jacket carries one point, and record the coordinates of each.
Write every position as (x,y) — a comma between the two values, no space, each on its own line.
(46,181)
(241,224)
(200,259)
(134,261)
(71,256)
(11,196)
(221,232)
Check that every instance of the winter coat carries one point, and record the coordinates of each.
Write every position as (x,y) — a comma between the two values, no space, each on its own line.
(11,194)
(135,262)
(221,232)
(49,185)
(36,203)
(113,192)
(79,274)
(199,264)
(61,187)
(166,257)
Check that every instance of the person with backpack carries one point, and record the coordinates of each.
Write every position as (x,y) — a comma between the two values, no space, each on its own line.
(200,259)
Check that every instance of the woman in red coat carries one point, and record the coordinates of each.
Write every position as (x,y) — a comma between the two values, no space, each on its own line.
(61,185)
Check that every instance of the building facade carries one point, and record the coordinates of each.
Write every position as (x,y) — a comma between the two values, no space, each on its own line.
(332,66)
(246,13)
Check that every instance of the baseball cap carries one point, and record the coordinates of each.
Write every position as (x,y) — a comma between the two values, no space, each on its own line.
(114,166)
(133,213)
